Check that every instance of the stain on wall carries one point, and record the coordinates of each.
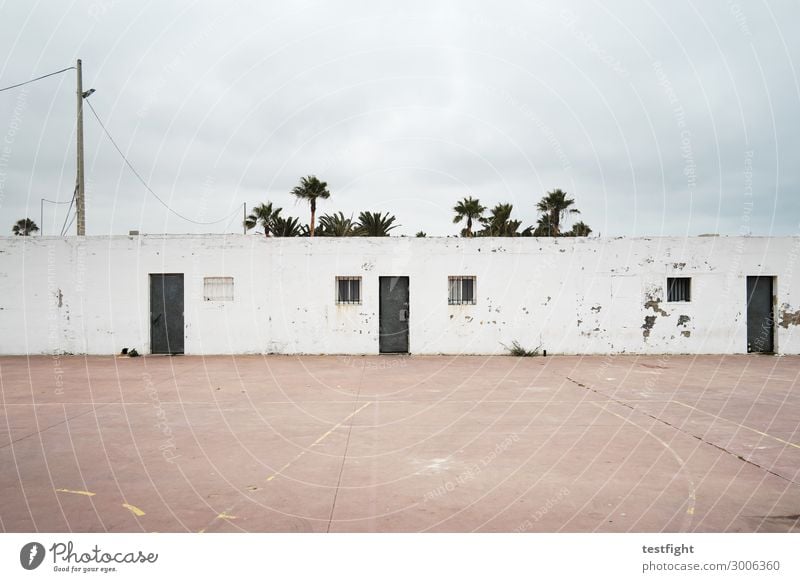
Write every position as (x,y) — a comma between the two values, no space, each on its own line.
(647,326)
(654,303)
(788,317)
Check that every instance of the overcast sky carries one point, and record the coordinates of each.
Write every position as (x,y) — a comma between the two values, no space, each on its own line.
(659,118)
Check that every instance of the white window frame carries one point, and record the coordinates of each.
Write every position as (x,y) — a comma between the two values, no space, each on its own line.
(218,289)
(348,300)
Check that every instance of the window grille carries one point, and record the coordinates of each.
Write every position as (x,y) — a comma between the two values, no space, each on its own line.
(348,289)
(679,289)
(461,291)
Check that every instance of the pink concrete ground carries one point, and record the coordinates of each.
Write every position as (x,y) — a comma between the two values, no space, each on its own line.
(287,444)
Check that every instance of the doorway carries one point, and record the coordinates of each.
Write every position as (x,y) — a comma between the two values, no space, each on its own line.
(166,313)
(760,321)
(393,315)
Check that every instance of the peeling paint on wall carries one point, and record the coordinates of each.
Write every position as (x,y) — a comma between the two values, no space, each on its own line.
(789,317)
(655,305)
(647,326)
(288,296)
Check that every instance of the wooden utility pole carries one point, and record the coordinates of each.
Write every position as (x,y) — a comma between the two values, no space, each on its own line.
(80,200)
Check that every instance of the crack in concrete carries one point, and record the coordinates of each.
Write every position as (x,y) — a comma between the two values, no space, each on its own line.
(346,446)
(93,409)
(698,437)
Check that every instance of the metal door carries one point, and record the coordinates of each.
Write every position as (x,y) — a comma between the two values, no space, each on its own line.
(760,320)
(393,315)
(166,313)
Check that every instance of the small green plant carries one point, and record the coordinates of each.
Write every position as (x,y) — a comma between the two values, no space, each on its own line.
(517,350)
(132,353)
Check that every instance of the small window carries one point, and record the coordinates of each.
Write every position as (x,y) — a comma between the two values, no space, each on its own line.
(348,289)
(462,291)
(679,289)
(217,288)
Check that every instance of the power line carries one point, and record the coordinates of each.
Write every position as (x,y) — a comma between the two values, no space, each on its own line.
(36,79)
(71,202)
(74,214)
(41,210)
(147,187)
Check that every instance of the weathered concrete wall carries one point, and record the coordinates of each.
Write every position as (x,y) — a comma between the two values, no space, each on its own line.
(591,296)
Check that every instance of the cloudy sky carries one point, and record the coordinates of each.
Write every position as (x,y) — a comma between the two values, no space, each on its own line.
(659,118)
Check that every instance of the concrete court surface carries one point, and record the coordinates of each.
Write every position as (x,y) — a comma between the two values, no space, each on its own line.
(398,443)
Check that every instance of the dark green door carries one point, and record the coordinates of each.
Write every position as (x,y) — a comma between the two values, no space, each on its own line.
(393,315)
(759,315)
(166,313)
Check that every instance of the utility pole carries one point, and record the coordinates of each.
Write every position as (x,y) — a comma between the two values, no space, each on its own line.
(80,200)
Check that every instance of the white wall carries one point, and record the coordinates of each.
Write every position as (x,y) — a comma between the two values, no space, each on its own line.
(586,296)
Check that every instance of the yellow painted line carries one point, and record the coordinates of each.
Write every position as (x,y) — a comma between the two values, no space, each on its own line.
(222,515)
(737,424)
(318,441)
(133,509)
(345,419)
(286,466)
(87,493)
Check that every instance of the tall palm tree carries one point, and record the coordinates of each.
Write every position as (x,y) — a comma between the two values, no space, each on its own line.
(375,224)
(555,205)
(264,215)
(24,227)
(289,226)
(311,188)
(499,222)
(471,209)
(336,225)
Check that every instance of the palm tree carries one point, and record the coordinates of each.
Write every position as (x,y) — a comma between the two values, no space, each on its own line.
(24,227)
(580,229)
(543,226)
(555,205)
(499,222)
(471,209)
(264,215)
(422,234)
(336,225)
(311,188)
(289,226)
(375,224)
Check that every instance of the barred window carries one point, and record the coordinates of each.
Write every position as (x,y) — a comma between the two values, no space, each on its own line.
(679,288)
(348,289)
(217,288)
(462,291)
